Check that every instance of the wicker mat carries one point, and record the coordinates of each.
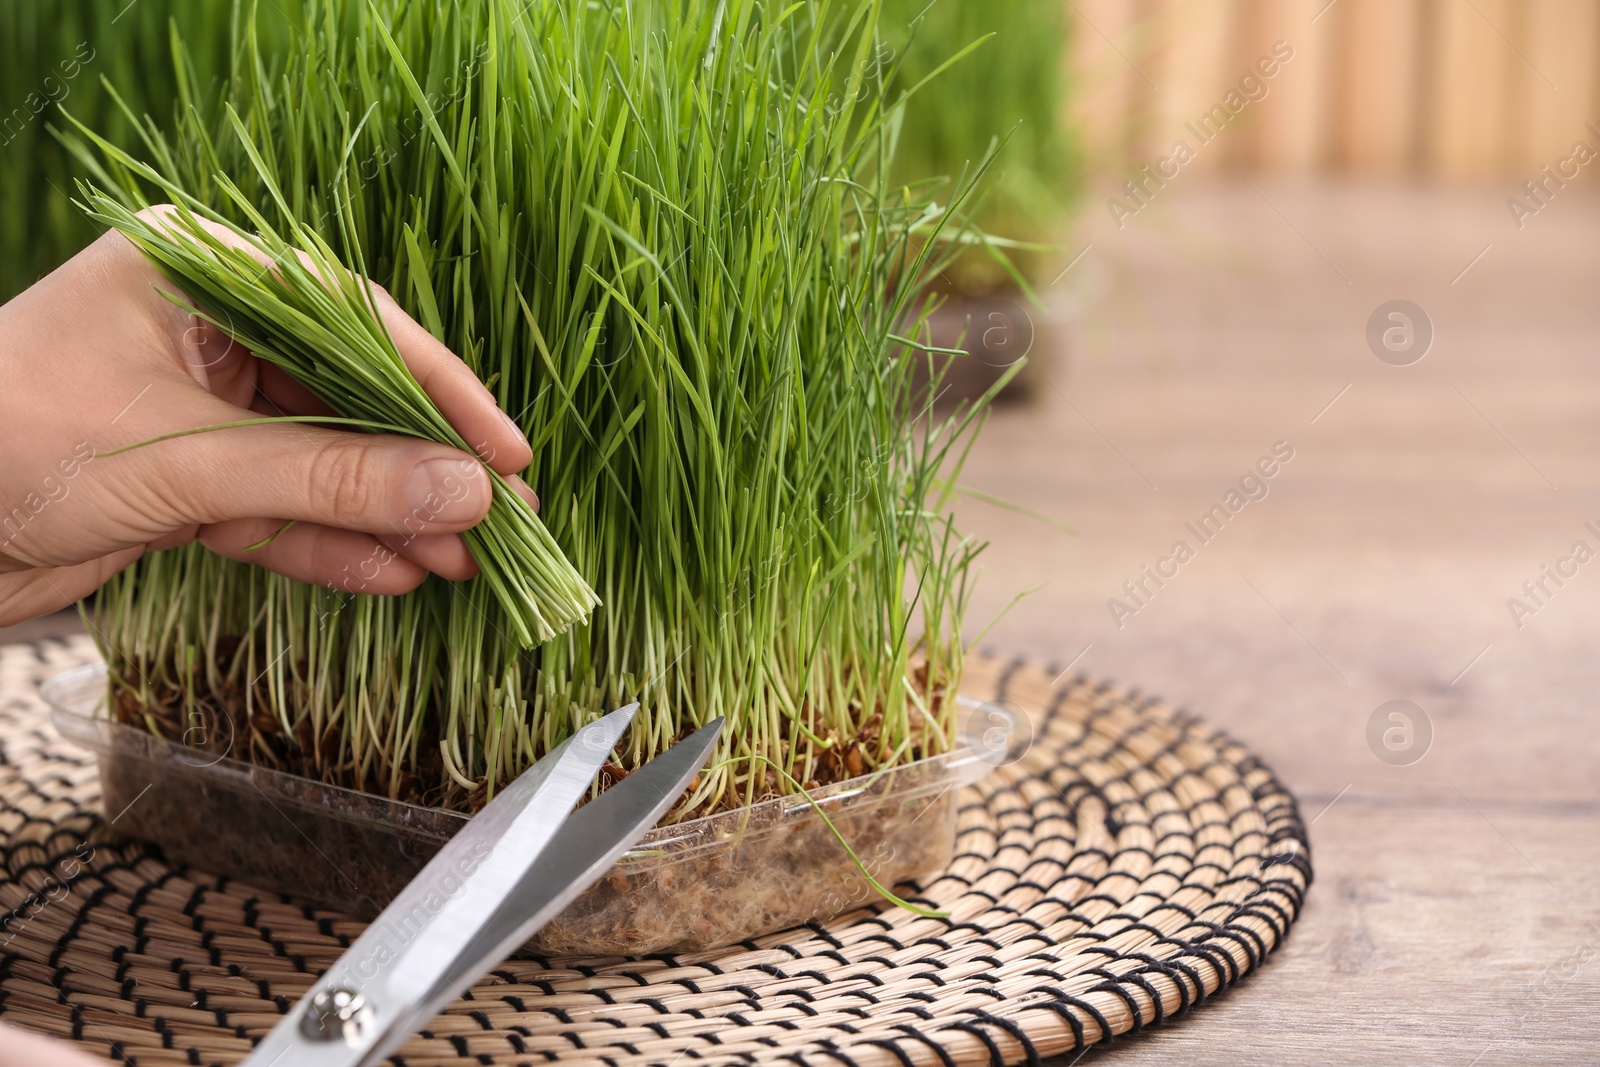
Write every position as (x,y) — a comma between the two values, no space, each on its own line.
(1133,863)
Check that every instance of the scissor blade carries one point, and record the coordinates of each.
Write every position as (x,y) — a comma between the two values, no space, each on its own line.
(586,847)
(410,949)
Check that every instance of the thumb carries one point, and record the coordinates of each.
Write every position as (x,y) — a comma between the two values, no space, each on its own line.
(374,483)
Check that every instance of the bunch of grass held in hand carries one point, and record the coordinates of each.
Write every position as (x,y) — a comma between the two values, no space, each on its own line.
(1010,90)
(664,235)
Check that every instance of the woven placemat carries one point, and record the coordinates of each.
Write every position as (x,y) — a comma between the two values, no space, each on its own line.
(1131,864)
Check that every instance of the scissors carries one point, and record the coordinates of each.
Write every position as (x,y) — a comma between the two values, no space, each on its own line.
(509,871)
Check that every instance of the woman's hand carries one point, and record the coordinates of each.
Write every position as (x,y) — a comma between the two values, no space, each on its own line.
(93,357)
(20,1048)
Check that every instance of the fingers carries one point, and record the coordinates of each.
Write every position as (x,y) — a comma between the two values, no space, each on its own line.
(523,490)
(463,400)
(357,563)
(279,394)
(213,358)
(461,397)
(29,594)
(445,555)
(402,500)
(345,560)
(22,1048)
(371,483)
(181,536)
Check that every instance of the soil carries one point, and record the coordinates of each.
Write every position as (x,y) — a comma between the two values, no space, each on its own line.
(765,875)
(749,872)
(340,850)
(217,723)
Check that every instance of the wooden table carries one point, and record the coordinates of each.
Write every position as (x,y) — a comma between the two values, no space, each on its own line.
(1454,919)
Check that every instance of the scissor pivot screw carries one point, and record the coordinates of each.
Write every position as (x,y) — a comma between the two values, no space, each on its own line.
(335,1014)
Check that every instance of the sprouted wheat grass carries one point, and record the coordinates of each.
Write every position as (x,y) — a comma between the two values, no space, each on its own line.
(665,236)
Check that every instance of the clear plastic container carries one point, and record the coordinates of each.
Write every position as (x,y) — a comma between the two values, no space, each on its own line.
(690,885)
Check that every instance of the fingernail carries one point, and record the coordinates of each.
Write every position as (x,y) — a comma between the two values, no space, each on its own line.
(524,490)
(447,490)
(509,421)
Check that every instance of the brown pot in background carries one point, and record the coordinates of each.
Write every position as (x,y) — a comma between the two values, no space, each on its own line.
(995,329)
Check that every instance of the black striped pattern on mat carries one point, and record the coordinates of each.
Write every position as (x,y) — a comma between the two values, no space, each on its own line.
(1132,864)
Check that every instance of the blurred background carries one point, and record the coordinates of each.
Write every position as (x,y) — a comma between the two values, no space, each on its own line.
(1352,243)
(1429,89)
(1229,306)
